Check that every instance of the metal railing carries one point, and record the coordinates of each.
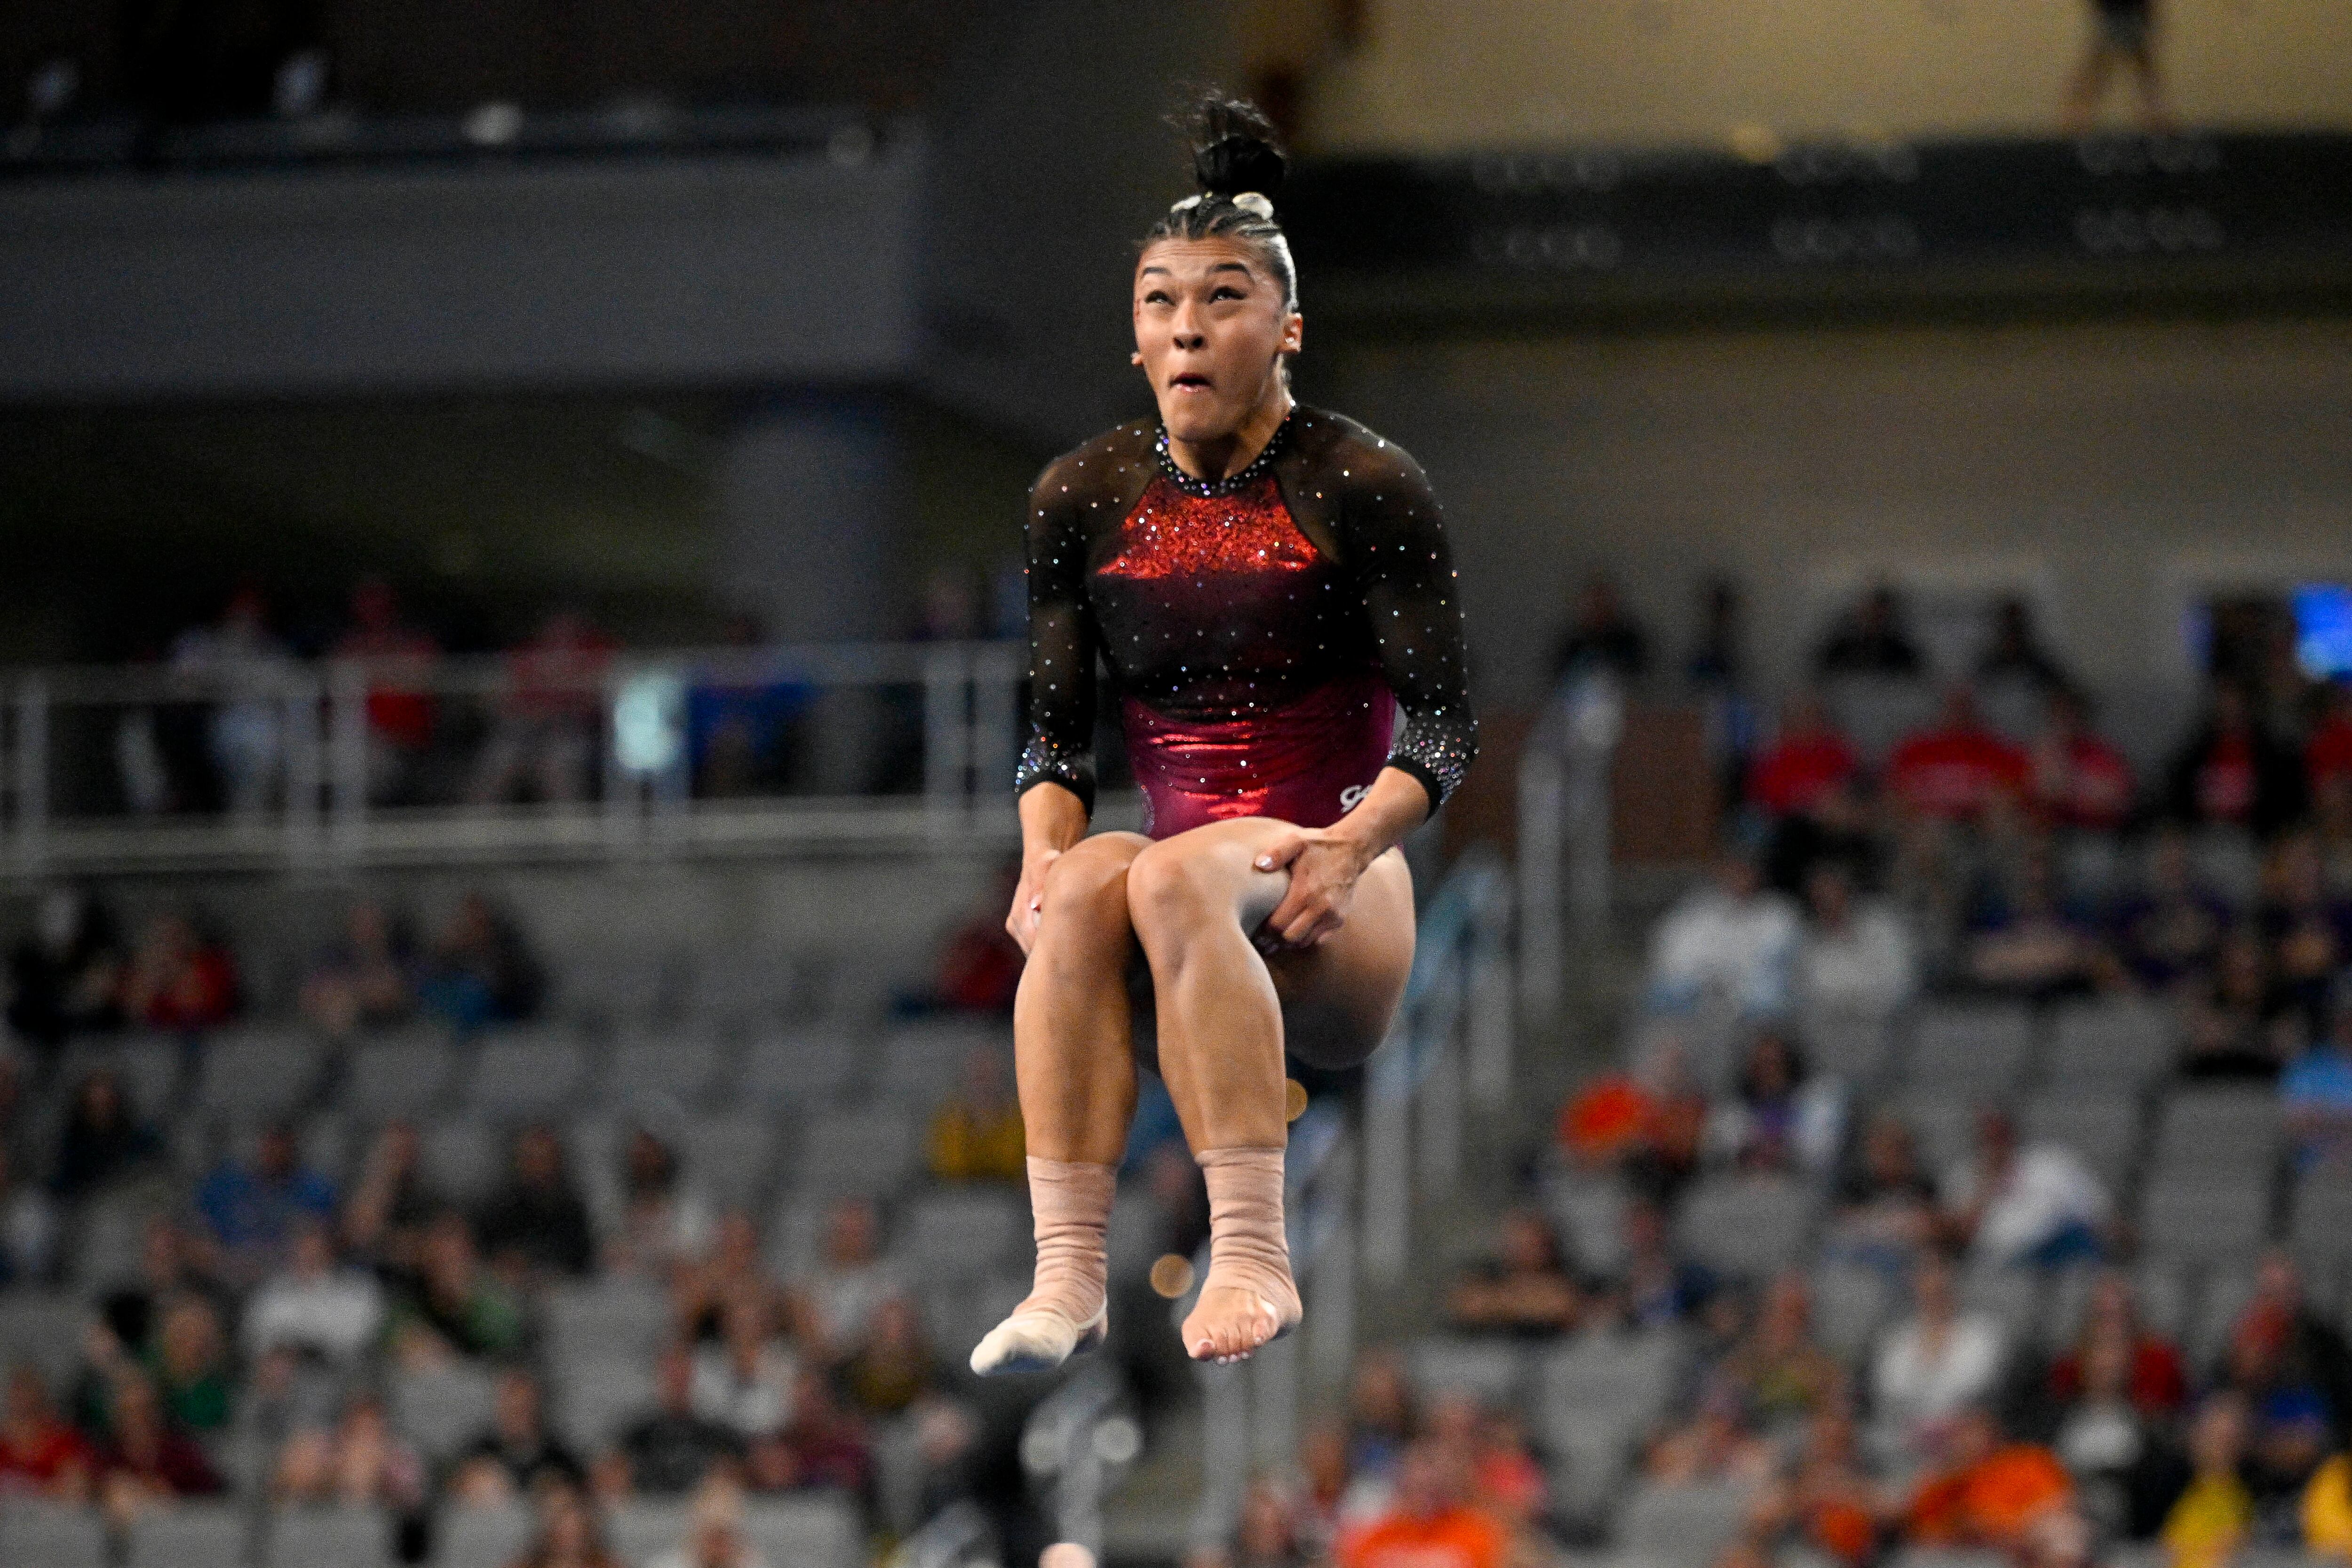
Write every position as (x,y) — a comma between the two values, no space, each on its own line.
(267,763)
(1563,822)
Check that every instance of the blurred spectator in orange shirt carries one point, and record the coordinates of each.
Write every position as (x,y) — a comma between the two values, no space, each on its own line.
(1429,1524)
(2012,1498)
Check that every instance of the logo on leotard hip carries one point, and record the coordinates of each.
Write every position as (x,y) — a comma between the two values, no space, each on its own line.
(1350,795)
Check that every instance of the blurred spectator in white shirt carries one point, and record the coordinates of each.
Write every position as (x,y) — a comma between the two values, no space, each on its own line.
(1855,957)
(2037,1206)
(1931,1366)
(1732,938)
(243,667)
(313,1305)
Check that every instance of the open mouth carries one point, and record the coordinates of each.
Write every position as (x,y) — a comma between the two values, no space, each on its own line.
(1188,383)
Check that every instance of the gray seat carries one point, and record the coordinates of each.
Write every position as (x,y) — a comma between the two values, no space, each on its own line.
(2213,1129)
(461,1160)
(1747,1227)
(821,1530)
(525,1076)
(2321,1229)
(482,1536)
(639,1530)
(959,1235)
(2103,1133)
(676,1068)
(1945,1130)
(1947,1557)
(798,1068)
(147,1066)
(1497,1371)
(2222,1295)
(317,1538)
(2202,1215)
(731,1156)
(443,1410)
(1977,1052)
(399,1075)
(2110,1047)
(258,1073)
(868,1151)
(45,1330)
(1588,1213)
(615,1316)
(51,1536)
(188,1535)
(2162,1287)
(1851,1302)
(1851,1046)
(920,1064)
(596,1397)
(1876,710)
(1627,1377)
(1682,1525)
(2011,1296)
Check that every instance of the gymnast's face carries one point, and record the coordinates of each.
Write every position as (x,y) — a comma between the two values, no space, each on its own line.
(1210,333)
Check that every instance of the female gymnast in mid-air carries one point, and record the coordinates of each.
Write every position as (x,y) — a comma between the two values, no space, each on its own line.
(1270,583)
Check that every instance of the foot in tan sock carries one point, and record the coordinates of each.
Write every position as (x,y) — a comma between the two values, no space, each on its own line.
(1249,1297)
(1068,1306)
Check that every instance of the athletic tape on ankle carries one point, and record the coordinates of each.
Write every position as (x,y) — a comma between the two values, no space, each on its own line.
(1069,1205)
(1247,1248)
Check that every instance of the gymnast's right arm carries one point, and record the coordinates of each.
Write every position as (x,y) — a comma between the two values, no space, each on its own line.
(1056,782)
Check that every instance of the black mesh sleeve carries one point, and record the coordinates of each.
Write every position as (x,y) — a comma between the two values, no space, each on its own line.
(1395,545)
(1061,644)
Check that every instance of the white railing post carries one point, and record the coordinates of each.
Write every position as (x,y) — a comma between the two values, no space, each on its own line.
(947,738)
(1332,1279)
(996,712)
(1226,1450)
(1388,1156)
(1596,719)
(1543,809)
(347,759)
(1440,1117)
(1490,1027)
(32,781)
(304,766)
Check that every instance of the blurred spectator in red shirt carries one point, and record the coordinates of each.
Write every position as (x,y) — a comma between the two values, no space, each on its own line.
(1806,761)
(2232,773)
(546,731)
(2329,754)
(145,1460)
(2157,1383)
(1958,768)
(39,1453)
(2079,780)
(401,709)
(179,979)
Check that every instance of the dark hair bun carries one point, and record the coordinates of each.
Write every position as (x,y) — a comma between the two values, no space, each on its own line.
(1233,148)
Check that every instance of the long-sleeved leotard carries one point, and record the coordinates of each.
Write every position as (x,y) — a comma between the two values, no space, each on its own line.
(1264,629)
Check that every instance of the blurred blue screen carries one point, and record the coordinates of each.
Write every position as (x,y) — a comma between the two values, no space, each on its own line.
(2323,629)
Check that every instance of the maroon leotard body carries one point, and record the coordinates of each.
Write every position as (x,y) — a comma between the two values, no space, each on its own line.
(1265,630)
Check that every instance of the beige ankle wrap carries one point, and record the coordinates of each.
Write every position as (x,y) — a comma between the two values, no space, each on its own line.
(1069,1206)
(1247,1248)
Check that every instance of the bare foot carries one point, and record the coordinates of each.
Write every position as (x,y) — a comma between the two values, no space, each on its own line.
(1228,1322)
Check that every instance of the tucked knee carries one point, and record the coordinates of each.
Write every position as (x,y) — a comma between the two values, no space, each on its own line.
(1171,893)
(1090,889)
